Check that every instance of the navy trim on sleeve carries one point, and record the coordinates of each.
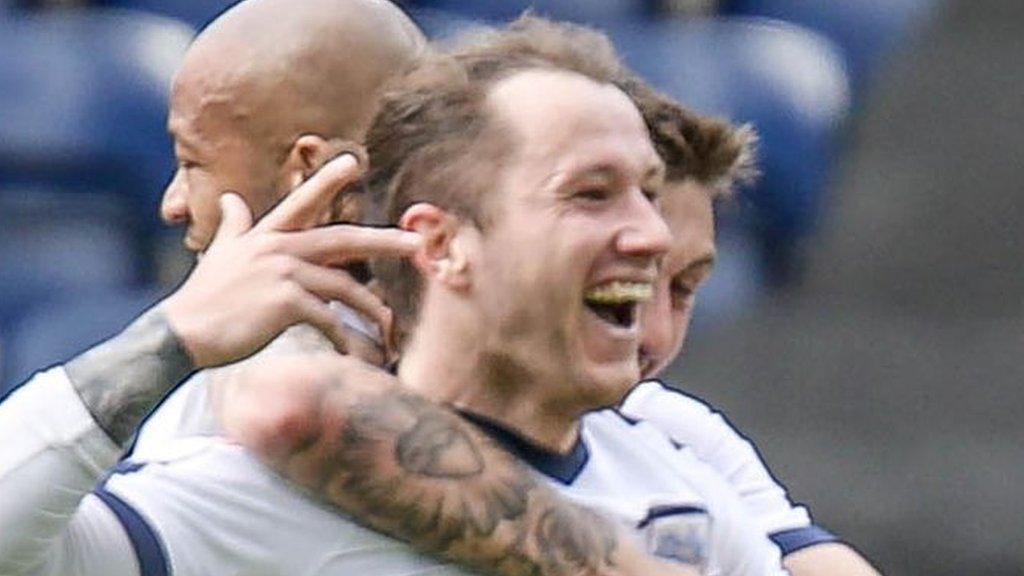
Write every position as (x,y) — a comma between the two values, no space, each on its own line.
(148,548)
(669,510)
(790,541)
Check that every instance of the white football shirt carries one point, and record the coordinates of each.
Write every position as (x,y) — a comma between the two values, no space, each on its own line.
(205,506)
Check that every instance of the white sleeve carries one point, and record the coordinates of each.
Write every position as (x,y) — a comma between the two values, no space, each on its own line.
(690,422)
(53,454)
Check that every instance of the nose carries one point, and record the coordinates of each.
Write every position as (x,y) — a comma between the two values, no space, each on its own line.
(646,233)
(174,205)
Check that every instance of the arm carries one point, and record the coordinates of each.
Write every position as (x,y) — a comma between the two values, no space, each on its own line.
(832,559)
(65,428)
(73,423)
(347,433)
(691,422)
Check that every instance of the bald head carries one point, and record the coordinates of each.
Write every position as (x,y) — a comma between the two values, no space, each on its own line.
(269,91)
(279,68)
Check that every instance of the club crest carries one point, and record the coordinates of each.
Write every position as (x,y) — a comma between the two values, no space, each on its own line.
(678,533)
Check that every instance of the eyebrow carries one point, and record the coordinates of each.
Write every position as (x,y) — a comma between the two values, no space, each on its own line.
(602,170)
(181,140)
(611,171)
(655,172)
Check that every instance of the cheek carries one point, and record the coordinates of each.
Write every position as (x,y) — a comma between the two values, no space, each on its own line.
(680,326)
(664,331)
(204,206)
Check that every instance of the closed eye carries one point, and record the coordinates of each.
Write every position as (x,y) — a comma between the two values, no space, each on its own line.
(592,194)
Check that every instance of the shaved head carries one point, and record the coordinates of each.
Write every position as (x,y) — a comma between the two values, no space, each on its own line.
(269,91)
(281,68)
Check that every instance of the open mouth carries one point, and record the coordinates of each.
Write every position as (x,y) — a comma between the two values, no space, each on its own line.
(617,302)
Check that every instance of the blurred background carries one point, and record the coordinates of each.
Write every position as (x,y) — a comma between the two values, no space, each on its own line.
(865,324)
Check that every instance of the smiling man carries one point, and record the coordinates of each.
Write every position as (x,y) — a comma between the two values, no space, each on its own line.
(210,165)
(704,157)
(532,183)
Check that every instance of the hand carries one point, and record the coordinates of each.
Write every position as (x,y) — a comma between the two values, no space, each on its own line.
(256,281)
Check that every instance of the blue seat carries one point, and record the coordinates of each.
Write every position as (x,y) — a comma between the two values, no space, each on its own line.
(867,30)
(790,83)
(66,326)
(84,153)
(587,11)
(439,24)
(197,13)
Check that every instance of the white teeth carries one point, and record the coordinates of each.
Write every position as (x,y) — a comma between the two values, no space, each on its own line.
(620,293)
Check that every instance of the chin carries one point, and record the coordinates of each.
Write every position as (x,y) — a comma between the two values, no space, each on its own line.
(606,386)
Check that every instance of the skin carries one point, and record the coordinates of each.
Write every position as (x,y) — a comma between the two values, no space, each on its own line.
(275,272)
(504,331)
(687,208)
(392,457)
(411,469)
(235,132)
(277,409)
(264,119)
(256,113)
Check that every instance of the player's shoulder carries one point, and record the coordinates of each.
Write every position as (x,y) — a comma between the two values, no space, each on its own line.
(683,417)
(652,397)
(204,501)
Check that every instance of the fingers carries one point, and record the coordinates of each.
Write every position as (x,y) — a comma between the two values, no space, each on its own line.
(338,285)
(318,314)
(302,207)
(235,217)
(341,243)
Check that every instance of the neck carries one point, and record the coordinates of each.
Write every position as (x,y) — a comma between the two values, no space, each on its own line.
(449,365)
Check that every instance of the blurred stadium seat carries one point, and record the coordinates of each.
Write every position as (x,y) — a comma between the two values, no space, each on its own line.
(196,12)
(67,326)
(439,24)
(865,29)
(589,11)
(84,152)
(789,82)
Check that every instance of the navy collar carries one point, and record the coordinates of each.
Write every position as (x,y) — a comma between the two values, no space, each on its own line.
(562,467)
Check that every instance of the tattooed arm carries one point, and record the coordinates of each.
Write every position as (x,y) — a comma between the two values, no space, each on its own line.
(121,380)
(416,471)
(66,427)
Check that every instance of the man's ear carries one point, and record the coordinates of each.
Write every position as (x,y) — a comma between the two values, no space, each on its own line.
(308,154)
(447,244)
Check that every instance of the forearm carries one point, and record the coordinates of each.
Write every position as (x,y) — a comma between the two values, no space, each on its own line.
(66,427)
(53,454)
(121,380)
(832,559)
(416,471)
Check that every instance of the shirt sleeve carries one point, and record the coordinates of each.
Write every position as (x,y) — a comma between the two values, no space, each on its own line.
(690,422)
(53,454)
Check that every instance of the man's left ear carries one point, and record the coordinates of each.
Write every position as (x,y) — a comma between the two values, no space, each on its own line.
(456,269)
(448,245)
(308,154)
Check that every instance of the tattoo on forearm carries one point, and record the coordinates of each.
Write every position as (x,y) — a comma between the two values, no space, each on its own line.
(434,448)
(416,471)
(123,379)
